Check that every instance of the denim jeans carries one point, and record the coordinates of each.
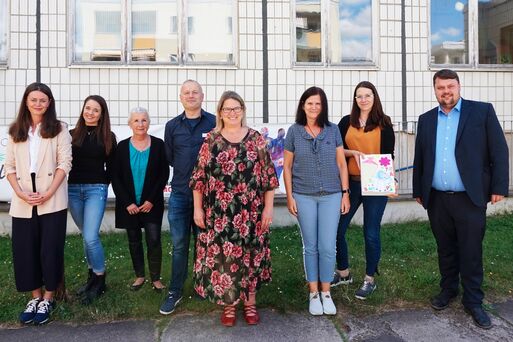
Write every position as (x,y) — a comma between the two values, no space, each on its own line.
(318,217)
(181,223)
(373,209)
(87,206)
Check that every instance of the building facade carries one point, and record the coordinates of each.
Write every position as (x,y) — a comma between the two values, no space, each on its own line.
(138,52)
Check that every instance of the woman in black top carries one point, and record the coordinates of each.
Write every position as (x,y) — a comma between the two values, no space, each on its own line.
(139,175)
(367,130)
(93,147)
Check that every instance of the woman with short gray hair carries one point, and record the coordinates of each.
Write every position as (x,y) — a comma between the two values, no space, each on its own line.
(140,174)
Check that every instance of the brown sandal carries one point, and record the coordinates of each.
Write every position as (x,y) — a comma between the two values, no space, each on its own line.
(228,316)
(251,314)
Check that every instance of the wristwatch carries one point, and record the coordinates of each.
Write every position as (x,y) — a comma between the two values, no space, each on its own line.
(346,191)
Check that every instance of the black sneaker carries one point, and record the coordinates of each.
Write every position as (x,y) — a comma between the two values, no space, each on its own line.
(170,303)
(339,280)
(365,290)
(44,310)
(27,316)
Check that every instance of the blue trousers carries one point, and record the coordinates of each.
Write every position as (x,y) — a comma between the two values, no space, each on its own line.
(87,206)
(318,217)
(373,209)
(181,224)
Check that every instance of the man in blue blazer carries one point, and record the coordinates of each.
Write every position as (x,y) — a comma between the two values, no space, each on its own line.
(461,163)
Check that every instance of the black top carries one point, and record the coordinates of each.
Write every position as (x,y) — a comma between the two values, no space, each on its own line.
(387,142)
(157,175)
(90,164)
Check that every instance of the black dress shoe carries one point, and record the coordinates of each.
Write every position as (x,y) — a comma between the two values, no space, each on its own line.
(136,287)
(442,300)
(480,317)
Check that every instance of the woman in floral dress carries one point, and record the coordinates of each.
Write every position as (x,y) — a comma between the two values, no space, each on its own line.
(233,186)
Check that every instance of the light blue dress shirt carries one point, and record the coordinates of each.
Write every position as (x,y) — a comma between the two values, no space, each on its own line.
(446,176)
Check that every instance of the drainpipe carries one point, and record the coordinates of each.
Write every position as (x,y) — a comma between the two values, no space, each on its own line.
(403,66)
(38,40)
(265,65)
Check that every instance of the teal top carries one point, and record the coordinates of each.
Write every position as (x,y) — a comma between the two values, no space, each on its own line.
(138,163)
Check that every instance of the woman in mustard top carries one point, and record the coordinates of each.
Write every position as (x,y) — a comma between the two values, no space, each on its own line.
(367,130)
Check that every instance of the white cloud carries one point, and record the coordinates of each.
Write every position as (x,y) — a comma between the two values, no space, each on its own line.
(451,31)
(357,49)
(357,26)
(354,2)
(445,34)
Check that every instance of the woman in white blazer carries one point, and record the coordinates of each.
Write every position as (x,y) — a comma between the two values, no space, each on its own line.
(37,161)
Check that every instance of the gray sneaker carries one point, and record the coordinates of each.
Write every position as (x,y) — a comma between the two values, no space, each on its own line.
(170,303)
(339,280)
(365,291)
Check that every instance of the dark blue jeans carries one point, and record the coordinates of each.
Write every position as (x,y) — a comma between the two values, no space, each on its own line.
(181,223)
(373,209)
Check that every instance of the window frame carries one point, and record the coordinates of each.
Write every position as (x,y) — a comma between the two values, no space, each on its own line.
(126,40)
(473,44)
(5,63)
(326,34)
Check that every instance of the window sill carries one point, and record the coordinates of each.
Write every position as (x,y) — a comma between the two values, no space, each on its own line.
(468,67)
(152,66)
(339,67)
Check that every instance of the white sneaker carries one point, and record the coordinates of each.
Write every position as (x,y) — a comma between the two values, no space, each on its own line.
(315,306)
(327,304)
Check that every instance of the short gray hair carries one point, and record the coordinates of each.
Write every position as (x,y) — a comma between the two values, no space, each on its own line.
(138,110)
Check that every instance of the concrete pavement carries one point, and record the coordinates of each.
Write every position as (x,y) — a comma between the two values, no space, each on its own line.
(420,324)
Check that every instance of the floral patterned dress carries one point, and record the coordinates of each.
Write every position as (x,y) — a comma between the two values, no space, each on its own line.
(233,256)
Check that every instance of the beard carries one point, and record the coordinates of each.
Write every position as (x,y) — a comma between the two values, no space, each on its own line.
(448,100)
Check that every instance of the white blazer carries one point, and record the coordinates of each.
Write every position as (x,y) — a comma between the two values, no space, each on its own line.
(54,153)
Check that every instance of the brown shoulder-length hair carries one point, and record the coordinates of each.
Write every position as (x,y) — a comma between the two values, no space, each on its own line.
(102,131)
(322,118)
(377,117)
(229,94)
(50,126)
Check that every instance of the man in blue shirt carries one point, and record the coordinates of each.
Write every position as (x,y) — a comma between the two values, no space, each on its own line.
(461,164)
(183,138)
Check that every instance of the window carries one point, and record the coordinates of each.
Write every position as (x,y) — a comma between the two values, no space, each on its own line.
(334,32)
(472,33)
(3,31)
(153,31)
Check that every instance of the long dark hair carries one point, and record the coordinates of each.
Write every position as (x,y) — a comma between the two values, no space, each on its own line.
(102,131)
(50,126)
(377,117)
(322,118)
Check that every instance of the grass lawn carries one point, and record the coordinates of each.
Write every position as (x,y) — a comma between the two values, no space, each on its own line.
(408,268)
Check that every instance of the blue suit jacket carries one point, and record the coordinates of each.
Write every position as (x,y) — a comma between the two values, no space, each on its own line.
(481,153)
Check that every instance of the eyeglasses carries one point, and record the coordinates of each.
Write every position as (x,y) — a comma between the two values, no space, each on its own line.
(227,110)
(364,97)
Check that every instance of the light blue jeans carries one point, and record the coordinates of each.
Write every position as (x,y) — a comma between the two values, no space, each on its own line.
(318,220)
(87,206)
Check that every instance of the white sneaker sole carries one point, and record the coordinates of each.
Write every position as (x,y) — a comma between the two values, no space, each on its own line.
(170,312)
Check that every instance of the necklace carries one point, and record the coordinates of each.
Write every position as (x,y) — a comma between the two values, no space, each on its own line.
(362,122)
(141,145)
(312,132)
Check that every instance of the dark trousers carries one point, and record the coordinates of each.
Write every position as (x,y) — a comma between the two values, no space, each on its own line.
(38,250)
(459,227)
(154,249)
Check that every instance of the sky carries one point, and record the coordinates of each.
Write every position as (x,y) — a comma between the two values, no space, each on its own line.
(447,20)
